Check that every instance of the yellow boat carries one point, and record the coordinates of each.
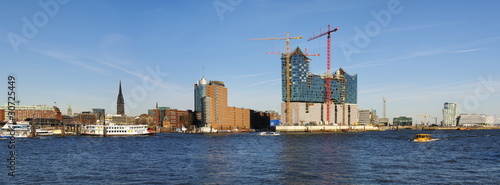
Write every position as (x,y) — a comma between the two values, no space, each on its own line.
(423,138)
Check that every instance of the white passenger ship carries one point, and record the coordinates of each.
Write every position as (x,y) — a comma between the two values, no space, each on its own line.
(117,130)
(19,130)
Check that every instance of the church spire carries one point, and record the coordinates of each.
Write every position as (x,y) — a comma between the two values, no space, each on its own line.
(120,104)
(120,88)
(70,111)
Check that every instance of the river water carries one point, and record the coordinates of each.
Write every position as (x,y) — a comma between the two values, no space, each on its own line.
(390,157)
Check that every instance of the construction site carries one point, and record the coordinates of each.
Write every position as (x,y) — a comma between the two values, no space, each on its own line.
(310,102)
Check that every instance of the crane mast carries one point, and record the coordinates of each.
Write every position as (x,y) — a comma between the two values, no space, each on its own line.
(287,70)
(328,70)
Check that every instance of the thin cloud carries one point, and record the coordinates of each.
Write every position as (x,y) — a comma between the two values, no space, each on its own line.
(465,51)
(403,29)
(93,65)
(264,82)
(458,89)
(138,75)
(430,52)
(251,75)
(417,27)
(69,59)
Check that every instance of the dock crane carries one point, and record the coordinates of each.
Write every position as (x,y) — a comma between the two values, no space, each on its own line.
(425,117)
(328,70)
(287,38)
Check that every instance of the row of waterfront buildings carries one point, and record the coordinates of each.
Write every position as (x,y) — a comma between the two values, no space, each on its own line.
(451,118)
(211,110)
(307,106)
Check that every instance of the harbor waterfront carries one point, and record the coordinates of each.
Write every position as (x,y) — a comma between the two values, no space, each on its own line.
(249,92)
(358,128)
(390,157)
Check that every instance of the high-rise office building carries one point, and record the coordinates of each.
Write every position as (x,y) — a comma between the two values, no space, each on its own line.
(211,101)
(212,110)
(450,113)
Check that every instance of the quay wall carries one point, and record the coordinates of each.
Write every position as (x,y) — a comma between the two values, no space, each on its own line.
(456,128)
(327,128)
(338,128)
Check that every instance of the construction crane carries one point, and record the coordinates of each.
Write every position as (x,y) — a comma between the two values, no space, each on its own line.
(305,53)
(275,53)
(435,120)
(328,70)
(425,117)
(287,38)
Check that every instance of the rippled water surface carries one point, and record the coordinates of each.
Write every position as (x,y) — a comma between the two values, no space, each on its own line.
(391,157)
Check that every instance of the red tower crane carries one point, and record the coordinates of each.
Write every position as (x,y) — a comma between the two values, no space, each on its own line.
(328,69)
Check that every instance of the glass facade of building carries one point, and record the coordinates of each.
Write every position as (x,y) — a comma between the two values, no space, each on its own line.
(200,91)
(450,113)
(402,121)
(307,87)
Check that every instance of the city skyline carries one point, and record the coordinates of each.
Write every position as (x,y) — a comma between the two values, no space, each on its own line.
(416,54)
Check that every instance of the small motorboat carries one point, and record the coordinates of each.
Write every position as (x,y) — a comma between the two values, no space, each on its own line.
(43,132)
(269,133)
(423,138)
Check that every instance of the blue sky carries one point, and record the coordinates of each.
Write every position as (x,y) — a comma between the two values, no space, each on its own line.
(416,54)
